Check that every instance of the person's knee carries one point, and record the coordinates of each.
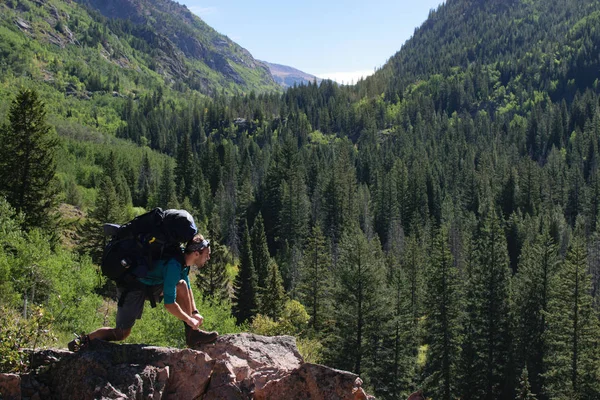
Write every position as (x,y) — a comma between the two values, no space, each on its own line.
(182,284)
(182,287)
(121,334)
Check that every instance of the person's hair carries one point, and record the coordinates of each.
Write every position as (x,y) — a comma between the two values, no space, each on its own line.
(197,243)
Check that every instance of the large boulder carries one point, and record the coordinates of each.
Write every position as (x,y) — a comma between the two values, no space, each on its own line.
(239,367)
(10,387)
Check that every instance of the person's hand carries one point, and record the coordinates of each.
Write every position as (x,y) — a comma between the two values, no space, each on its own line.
(193,323)
(199,318)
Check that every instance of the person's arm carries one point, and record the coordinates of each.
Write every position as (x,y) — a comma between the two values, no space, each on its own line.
(195,312)
(174,309)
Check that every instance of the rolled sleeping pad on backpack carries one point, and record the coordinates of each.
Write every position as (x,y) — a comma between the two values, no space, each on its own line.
(179,225)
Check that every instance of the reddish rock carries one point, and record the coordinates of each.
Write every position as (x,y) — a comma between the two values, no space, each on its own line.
(10,387)
(256,359)
(236,367)
(315,382)
(416,396)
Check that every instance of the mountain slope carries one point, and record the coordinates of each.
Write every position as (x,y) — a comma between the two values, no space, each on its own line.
(518,44)
(138,44)
(288,76)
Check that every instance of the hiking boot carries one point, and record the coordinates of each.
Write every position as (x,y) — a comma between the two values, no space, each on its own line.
(195,338)
(201,337)
(80,342)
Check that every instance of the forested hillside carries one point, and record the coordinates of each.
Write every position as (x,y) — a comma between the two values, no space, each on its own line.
(434,227)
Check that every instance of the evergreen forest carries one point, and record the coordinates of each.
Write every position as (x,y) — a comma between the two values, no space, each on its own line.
(435,226)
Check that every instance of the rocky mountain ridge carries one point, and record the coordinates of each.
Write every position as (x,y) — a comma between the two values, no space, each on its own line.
(288,76)
(150,42)
(242,366)
(189,34)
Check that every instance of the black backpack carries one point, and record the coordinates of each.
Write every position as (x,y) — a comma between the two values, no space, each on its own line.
(152,236)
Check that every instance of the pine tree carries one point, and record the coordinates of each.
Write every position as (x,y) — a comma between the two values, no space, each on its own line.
(260,252)
(273,298)
(537,267)
(245,302)
(166,190)
(111,166)
(271,202)
(529,187)
(416,199)
(145,184)
(573,336)
(524,390)
(468,376)
(213,280)
(362,304)
(27,160)
(514,240)
(294,210)
(397,365)
(509,194)
(442,325)
(316,279)
(488,337)
(107,210)
(593,206)
(576,196)
(226,206)
(202,200)
(413,264)
(122,190)
(244,194)
(184,169)
(340,195)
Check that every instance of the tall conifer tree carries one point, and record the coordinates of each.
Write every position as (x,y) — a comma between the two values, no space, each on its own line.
(212,277)
(166,195)
(272,302)
(573,336)
(524,390)
(260,252)
(442,325)
(107,210)
(145,183)
(394,374)
(362,303)
(532,292)
(316,279)
(27,160)
(185,169)
(488,338)
(245,303)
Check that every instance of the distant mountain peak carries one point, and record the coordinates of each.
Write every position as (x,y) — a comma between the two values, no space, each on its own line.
(288,76)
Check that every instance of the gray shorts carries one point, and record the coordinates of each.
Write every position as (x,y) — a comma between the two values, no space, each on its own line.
(133,304)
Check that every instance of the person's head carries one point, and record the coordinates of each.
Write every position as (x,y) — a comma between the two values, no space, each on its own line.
(197,251)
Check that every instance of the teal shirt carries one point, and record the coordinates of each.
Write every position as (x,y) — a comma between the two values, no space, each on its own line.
(168,273)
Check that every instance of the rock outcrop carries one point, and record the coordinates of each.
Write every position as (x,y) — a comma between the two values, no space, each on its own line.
(236,367)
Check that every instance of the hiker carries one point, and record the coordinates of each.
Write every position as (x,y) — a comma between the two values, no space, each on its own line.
(168,279)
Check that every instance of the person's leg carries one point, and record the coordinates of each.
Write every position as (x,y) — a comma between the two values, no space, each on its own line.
(110,334)
(127,314)
(184,297)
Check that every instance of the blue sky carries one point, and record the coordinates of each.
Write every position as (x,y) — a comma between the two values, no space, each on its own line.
(340,40)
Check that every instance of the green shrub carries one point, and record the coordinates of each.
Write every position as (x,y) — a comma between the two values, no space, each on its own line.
(293,321)
(311,350)
(18,333)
